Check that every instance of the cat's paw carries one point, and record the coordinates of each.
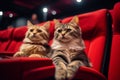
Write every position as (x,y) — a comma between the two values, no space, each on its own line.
(41,48)
(30,48)
(37,55)
(70,75)
(18,54)
(60,75)
(70,72)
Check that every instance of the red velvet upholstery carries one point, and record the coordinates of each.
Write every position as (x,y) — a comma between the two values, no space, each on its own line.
(114,66)
(111,13)
(18,36)
(116,18)
(42,73)
(94,28)
(5,37)
(13,69)
(5,40)
(39,73)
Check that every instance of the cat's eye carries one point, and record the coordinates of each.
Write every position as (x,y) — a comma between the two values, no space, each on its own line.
(38,30)
(31,30)
(68,30)
(59,30)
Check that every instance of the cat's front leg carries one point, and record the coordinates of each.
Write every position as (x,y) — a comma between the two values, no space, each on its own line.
(28,50)
(38,56)
(41,48)
(72,68)
(19,54)
(60,73)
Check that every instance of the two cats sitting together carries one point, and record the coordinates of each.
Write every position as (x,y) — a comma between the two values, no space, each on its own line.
(66,51)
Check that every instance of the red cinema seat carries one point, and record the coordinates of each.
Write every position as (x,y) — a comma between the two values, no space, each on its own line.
(5,40)
(94,27)
(17,38)
(96,36)
(114,66)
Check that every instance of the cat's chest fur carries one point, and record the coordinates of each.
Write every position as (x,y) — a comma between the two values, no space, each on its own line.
(74,45)
(32,48)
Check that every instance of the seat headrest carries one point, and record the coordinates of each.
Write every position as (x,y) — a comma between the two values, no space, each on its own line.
(116,17)
(6,34)
(19,33)
(92,23)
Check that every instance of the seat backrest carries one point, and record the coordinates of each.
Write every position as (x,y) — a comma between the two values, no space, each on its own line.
(5,39)
(94,33)
(114,66)
(17,38)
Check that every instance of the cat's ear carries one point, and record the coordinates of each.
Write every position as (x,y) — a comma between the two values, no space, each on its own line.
(57,23)
(29,24)
(75,20)
(47,25)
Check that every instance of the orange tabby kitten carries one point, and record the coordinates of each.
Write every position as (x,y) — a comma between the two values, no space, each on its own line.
(35,43)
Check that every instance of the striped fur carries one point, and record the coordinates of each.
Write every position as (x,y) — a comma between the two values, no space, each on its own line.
(68,50)
(35,43)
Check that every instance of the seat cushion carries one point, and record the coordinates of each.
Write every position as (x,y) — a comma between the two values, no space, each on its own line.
(13,68)
(45,73)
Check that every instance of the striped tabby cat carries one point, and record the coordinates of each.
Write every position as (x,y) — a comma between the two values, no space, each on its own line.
(68,49)
(35,43)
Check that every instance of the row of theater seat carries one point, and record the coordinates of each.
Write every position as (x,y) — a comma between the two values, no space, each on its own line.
(102,47)
(10,39)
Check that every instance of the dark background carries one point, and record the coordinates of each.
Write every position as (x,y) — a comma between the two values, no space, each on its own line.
(23,9)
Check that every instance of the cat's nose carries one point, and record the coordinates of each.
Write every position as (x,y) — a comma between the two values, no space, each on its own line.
(34,34)
(63,33)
